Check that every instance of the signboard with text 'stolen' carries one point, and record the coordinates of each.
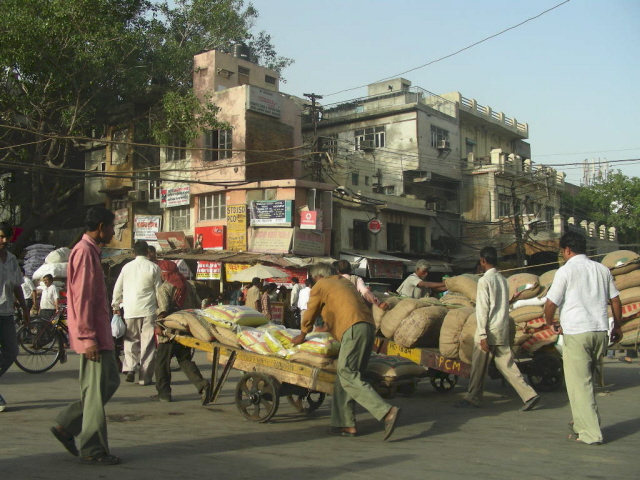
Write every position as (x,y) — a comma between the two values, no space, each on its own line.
(271,213)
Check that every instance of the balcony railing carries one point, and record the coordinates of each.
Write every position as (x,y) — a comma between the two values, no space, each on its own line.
(474,107)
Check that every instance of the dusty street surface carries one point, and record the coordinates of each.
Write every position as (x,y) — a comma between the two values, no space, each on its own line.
(433,440)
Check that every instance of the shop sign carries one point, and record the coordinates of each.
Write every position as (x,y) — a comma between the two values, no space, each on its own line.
(271,240)
(175,197)
(230,269)
(122,216)
(146,226)
(385,269)
(271,213)
(306,242)
(210,238)
(208,270)
(263,101)
(300,273)
(172,240)
(375,226)
(237,228)
(277,312)
(308,220)
(183,268)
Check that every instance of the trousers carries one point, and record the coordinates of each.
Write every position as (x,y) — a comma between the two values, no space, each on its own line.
(140,347)
(8,342)
(506,366)
(85,418)
(349,387)
(163,367)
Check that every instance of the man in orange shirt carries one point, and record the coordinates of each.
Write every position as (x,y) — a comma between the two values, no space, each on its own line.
(349,320)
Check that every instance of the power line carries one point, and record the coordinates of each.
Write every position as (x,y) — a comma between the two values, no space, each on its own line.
(456,52)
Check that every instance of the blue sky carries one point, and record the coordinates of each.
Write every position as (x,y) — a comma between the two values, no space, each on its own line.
(571,74)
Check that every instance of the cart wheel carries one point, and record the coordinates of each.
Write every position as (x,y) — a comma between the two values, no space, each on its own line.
(406,390)
(308,402)
(444,382)
(257,396)
(546,374)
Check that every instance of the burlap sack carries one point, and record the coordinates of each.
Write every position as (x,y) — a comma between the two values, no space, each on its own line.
(545,280)
(621,261)
(392,367)
(197,326)
(455,298)
(630,325)
(312,360)
(467,339)
(451,329)
(534,324)
(521,337)
(523,286)
(421,328)
(466,284)
(378,313)
(539,340)
(524,314)
(392,319)
(627,280)
(630,295)
(225,336)
(174,325)
(629,310)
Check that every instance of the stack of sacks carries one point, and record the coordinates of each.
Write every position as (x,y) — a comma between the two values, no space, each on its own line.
(55,264)
(523,286)
(393,317)
(35,257)
(227,321)
(320,350)
(451,331)
(190,321)
(378,313)
(456,299)
(390,369)
(467,338)
(625,268)
(465,284)
(421,328)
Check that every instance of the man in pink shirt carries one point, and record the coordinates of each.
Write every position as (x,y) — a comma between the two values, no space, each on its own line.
(89,324)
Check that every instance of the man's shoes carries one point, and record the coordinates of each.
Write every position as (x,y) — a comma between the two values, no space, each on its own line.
(131,377)
(390,424)
(161,398)
(529,404)
(3,404)
(465,404)
(67,441)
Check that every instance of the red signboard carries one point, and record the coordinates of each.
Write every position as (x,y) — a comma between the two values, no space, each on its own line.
(208,270)
(300,273)
(375,226)
(385,269)
(210,238)
(308,220)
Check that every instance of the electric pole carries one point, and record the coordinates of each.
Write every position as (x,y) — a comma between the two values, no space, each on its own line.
(315,109)
(517,223)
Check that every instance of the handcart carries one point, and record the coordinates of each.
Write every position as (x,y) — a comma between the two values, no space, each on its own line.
(266,379)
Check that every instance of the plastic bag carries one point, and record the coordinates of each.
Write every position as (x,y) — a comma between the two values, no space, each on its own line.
(118,327)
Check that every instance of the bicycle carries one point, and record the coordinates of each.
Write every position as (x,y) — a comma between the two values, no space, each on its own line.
(43,342)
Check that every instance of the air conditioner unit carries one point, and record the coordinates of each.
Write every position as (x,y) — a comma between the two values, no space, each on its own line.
(432,206)
(138,196)
(443,144)
(366,145)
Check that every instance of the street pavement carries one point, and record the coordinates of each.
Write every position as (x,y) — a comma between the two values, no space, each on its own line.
(184,440)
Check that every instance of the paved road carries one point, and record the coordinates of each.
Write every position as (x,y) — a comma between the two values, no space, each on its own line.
(185,440)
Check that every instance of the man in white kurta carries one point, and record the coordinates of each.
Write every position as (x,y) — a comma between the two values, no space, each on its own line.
(492,336)
(582,289)
(136,289)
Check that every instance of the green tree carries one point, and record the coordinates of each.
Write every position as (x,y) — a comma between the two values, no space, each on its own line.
(613,202)
(72,67)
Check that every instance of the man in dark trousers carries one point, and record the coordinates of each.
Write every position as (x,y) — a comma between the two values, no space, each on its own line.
(89,321)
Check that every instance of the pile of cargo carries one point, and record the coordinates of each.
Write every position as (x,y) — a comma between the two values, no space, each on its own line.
(625,268)
(244,327)
(55,264)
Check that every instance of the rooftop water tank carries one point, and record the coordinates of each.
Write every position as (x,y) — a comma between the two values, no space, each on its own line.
(240,50)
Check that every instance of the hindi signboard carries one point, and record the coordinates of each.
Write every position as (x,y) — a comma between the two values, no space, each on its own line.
(208,270)
(175,197)
(237,228)
(263,101)
(230,269)
(307,242)
(271,240)
(271,213)
(146,227)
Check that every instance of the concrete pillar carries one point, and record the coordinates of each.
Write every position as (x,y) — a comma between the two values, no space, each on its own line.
(585,227)
(571,221)
(558,224)
(496,156)
(602,232)
(592,229)
(613,234)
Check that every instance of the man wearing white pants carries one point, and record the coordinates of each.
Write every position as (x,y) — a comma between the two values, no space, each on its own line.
(136,289)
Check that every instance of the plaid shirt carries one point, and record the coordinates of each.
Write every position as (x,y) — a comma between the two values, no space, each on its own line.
(265,303)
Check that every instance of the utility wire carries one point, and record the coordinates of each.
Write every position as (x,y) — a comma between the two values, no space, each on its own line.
(456,52)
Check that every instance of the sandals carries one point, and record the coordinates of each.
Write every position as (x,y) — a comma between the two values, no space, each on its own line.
(573,437)
(100,459)
(340,431)
(390,425)
(67,442)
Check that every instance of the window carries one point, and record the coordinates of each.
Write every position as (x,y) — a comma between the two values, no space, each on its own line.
(154,190)
(354,178)
(330,143)
(243,75)
(220,140)
(212,206)
(118,204)
(270,80)
(360,235)
(417,240)
(395,237)
(504,205)
(366,180)
(177,151)
(179,218)
(439,136)
(368,138)
(549,212)
(389,190)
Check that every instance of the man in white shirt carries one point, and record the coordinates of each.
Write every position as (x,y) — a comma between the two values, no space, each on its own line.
(415,285)
(295,293)
(492,339)
(303,296)
(136,289)
(48,298)
(28,291)
(582,289)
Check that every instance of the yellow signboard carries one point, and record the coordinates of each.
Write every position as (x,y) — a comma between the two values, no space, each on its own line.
(237,228)
(231,269)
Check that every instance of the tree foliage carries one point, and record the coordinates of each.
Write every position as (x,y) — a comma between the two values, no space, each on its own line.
(72,67)
(613,202)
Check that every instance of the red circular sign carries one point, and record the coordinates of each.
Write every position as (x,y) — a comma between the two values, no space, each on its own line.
(375,226)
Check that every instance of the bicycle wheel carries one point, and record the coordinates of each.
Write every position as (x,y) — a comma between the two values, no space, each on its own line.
(39,346)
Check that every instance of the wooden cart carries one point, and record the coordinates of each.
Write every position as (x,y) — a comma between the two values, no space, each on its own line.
(266,379)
